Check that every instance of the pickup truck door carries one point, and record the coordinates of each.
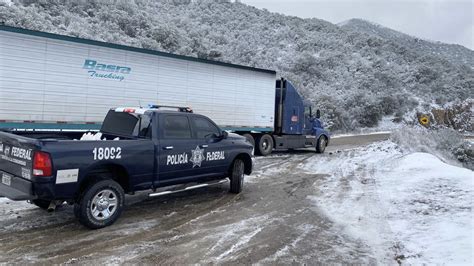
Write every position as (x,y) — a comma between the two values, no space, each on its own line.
(213,146)
(174,148)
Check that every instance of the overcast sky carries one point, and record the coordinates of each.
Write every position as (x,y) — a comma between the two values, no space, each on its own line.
(449,21)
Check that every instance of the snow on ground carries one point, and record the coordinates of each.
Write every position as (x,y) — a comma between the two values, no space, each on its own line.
(385,125)
(367,204)
(437,199)
(409,207)
(11,209)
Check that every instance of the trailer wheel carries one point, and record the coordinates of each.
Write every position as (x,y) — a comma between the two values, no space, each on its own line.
(249,138)
(237,177)
(100,205)
(264,145)
(321,144)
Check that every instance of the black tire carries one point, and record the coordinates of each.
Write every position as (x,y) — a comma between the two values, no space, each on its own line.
(237,176)
(249,138)
(264,145)
(43,204)
(321,144)
(95,200)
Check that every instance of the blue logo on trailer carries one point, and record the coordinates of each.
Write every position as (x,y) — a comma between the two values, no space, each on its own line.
(99,70)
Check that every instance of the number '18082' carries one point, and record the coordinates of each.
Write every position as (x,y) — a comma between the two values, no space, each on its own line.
(107,153)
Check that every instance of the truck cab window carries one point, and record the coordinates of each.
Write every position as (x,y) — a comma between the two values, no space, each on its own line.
(204,128)
(127,124)
(143,127)
(176,127)
(118,123)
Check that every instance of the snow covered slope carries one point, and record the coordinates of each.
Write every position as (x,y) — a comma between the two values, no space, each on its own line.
(411,207)
(454,53)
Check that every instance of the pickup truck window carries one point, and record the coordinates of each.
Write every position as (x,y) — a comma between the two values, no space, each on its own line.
(204,128)
(143,128)
(177,127)
(126,124)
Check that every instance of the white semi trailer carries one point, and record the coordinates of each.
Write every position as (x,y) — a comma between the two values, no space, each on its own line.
(50,81)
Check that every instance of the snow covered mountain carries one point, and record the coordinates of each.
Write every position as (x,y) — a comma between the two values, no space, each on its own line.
(454,53)
(356,73)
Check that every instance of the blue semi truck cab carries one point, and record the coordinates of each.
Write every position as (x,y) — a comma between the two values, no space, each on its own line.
(296,126)
(154,148)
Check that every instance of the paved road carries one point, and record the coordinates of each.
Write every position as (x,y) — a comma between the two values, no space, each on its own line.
(347,142)
(272,221)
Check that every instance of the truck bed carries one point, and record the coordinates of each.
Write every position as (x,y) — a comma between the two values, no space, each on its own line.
(17,151)
(56,134)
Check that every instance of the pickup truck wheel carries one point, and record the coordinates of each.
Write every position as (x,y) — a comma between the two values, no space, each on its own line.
(100,205)
(321,144)
(264,145)
(237,176)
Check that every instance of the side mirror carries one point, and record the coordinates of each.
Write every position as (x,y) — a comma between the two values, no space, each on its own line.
(318,114)
(225,134)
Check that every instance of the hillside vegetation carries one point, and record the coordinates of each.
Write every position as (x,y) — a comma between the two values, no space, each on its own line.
(354,73)
(454,53)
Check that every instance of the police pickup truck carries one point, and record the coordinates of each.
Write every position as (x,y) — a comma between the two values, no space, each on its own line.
(161,148)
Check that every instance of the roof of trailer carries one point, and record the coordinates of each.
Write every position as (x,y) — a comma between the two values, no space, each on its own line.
(127,48)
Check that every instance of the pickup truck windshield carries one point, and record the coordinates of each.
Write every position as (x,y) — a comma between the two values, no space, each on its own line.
(126,124)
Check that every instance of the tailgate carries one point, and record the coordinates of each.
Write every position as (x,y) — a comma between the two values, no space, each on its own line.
(16,154)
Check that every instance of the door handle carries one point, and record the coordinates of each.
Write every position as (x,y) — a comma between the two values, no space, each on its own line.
(168,148)
(204,146)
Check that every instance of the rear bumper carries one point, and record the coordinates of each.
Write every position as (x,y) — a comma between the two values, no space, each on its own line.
(17,189)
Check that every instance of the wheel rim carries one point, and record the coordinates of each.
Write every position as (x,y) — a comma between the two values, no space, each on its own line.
(265,144)
(104,204)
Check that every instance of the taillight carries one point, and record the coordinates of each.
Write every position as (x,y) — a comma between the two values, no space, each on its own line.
(42,164)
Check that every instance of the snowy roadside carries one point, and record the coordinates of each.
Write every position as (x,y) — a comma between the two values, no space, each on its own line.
(365,204)
(410,208)
(385,126)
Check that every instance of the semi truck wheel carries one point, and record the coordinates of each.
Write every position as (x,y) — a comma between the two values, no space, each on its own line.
(100,204)
(264,145)
(237,176)
(249,138)
(321,144)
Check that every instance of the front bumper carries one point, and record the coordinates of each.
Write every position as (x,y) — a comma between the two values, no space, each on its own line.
(15,188)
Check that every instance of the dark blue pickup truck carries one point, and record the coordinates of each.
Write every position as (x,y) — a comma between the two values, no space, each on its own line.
(140,149)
